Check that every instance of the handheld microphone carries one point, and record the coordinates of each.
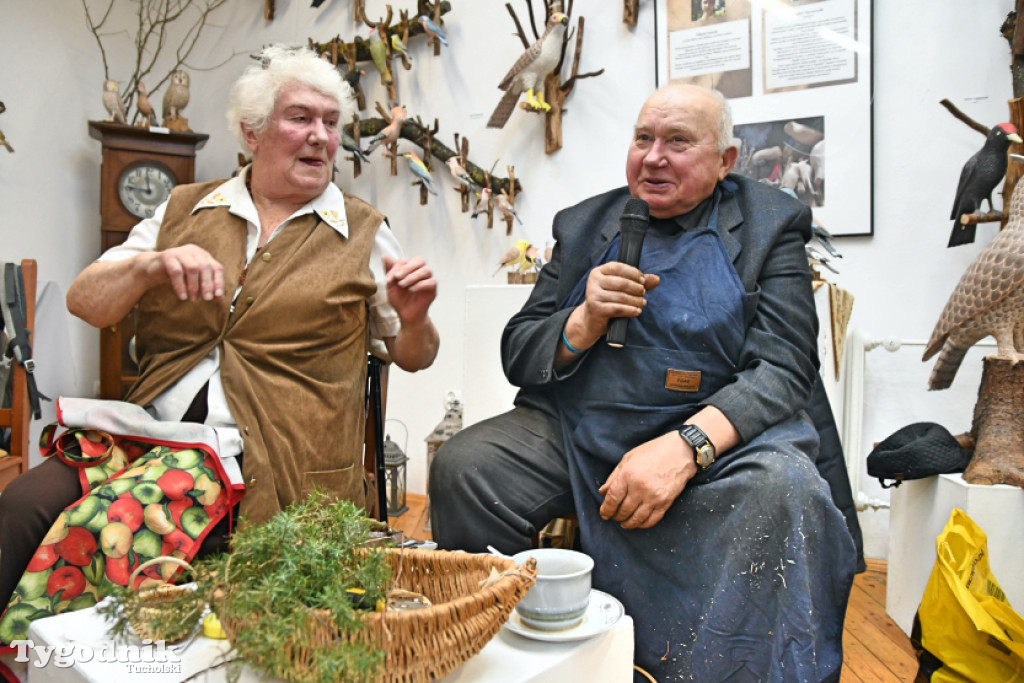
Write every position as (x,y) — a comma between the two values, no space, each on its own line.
(636,216)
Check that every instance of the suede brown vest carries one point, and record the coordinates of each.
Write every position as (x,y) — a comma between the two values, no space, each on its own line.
(293,354)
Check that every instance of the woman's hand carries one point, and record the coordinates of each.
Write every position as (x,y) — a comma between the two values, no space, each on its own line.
(411,288)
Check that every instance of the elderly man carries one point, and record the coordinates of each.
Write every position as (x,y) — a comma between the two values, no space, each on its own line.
(687,454)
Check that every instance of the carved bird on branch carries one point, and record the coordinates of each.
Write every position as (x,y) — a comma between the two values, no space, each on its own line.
(529,71)
(979,176)
(420,170)
(390,132)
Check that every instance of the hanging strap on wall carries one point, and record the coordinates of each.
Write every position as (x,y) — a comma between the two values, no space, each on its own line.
(12,303)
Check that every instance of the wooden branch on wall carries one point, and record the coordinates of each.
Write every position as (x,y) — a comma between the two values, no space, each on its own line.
(464,190)
(952,108)
(559,91)
(361,46)
(414,133)
(357,162)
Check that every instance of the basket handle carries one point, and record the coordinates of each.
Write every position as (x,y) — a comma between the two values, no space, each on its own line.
(160,560)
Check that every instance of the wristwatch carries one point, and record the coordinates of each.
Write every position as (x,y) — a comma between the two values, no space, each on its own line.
(703,450)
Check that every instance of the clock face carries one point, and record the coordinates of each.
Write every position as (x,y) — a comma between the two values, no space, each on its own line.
(143,187)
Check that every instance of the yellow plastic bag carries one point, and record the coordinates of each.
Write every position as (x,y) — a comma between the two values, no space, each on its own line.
(965,630)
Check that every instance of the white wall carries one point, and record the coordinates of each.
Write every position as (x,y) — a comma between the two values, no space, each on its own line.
(901,276)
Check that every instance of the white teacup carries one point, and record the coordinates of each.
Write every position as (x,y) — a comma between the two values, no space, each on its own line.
(559,598)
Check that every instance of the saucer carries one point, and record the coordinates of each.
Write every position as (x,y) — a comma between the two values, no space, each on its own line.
(602,613)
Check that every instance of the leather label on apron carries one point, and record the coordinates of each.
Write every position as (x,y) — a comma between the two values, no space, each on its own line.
(682,380)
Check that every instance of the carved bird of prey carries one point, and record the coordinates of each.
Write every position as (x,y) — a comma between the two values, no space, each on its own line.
(988,300)
(529,71)
(516,258)
(460,174)
(176,96)
(112,101)
(420,170)
(390,132)
(348,142)
(379,53)
(431,29)
(979,176)
(143,104)
(398,47)
(507,210)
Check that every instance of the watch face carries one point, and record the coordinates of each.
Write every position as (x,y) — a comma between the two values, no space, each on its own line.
(143,187)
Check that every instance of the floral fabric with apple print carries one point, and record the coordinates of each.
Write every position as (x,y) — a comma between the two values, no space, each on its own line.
(141,500)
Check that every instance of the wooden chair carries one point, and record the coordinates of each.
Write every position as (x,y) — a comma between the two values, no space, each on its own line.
(17,417)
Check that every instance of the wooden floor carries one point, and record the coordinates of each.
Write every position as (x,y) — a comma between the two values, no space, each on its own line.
(875,650)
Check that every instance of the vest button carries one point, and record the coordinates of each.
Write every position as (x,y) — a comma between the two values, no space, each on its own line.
(246,431)
(266,256)
(252,483)
(250,300)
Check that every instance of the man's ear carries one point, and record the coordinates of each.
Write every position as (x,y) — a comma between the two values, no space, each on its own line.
(729,157)
(250,137)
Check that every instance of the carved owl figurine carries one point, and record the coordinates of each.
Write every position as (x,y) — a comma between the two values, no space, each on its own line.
(988,300)
(176,95)
(112,102)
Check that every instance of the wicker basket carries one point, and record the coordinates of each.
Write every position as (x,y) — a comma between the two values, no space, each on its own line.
(424,644)
(164,612)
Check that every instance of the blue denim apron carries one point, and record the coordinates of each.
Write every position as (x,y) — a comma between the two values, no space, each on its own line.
(684,581)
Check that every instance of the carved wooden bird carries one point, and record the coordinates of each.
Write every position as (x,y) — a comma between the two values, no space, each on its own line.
(460,174)
(390,132)
(420,170)
(516,258)
(349,143)
(431,29)
(978,178)
(144,106)
(176,96)
(398,47)
(507,210)
(379,53)
(112,101)
(988,300)
(529,71)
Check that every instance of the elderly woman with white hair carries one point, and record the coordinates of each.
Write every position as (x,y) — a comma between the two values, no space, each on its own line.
(255,299)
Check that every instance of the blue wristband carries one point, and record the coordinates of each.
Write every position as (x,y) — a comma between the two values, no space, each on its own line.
(569,346)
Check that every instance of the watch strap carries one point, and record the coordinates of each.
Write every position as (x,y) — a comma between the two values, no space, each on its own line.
(704,451)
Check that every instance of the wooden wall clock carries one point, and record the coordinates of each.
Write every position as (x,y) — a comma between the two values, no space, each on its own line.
(140,168)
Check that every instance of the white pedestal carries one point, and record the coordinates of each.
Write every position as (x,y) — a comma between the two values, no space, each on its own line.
(920,511)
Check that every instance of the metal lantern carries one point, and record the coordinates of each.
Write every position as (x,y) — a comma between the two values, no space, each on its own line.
(450,425)
(395,476)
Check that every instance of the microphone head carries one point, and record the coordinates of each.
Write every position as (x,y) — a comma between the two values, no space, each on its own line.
(637,210)
(635,218)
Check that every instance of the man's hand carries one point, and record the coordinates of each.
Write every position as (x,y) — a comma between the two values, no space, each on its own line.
(614,290)
(647,481)
(411,288)
(191,271)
